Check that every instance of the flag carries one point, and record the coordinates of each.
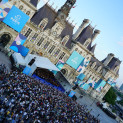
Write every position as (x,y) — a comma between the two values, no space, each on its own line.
(74,6)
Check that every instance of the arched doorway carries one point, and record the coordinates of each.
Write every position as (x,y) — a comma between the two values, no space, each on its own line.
(4,39)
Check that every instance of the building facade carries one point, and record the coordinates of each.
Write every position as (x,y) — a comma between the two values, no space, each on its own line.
(50,34)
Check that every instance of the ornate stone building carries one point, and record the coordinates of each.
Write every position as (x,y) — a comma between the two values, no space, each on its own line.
(49,34)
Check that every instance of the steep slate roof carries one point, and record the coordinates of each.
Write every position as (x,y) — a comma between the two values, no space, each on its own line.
(93,48)
(85,34)
(98,63)
(34,2)
(47,12)
(114,63)
(44,12)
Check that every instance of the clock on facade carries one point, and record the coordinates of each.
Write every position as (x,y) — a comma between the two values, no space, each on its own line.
(54,33)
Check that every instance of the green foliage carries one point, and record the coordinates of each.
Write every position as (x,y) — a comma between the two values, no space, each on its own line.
(113,110)
(118,93)
(120,102)
(110,97)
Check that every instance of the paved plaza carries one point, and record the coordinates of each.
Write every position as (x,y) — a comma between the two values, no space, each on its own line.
(104,118)
(86,100)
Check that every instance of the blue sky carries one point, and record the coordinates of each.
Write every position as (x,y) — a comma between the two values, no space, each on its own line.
(107,16)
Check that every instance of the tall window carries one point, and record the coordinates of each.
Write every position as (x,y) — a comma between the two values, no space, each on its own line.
(76,49)
(28,12)
(40,41)
(65,39)
(46,45)
(28,32)
(51,49)
(34,37)
(57,52)
(62,55)
(21,7)
(87,43)
(42,25)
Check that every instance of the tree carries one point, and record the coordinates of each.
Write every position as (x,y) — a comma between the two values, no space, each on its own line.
(110,97)
(120,102)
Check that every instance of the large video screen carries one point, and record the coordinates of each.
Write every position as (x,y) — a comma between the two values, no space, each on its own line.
(16,19)
(75,60)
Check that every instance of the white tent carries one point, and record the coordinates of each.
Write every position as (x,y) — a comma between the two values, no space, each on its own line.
(18,58)
(41,62)
(104,105)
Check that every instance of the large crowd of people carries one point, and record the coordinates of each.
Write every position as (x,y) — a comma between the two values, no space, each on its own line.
(26,100)
(47,75)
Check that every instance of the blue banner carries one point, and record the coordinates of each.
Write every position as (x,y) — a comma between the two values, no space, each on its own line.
(16,19)
(99,85)
(111,82)
(75,60)
(81,76)
(27,70)
(72,93)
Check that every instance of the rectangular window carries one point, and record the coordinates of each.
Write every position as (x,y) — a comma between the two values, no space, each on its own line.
(57,52)
(62,55)
(34,37)
(46,45)
(40,41)
(51,49)
(28,32)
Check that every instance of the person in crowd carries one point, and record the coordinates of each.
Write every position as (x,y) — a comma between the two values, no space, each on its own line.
(26,100)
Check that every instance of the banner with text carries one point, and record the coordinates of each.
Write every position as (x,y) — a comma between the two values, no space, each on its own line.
(16,19)
(75,60)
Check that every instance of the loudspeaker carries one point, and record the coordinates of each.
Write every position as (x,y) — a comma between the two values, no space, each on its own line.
(75,87)
(32,61)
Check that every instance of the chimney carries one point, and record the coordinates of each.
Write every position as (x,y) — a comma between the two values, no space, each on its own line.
(82,26)
(108,59)
(96,32)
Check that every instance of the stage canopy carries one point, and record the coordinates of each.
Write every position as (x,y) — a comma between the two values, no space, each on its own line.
(41,62)
(19,59)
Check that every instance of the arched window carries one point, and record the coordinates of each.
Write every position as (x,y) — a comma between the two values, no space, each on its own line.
(57,52)
(28,12)
(116,69)
(87,42)
(99,68)
(76,49)
(4,39)
(43,23)
(28,32)
(65,39)
(51,49)
(40,41)
(62,55)
(46,45)
(93,65)
(21,7)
